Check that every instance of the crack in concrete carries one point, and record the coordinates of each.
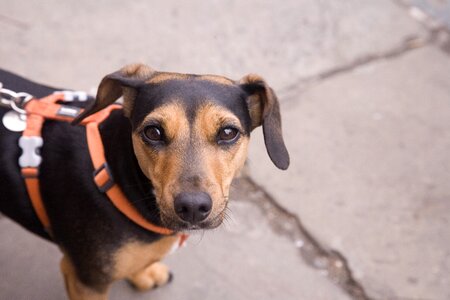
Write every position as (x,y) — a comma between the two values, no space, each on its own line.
(14,22)
(437,35)
(407,298)
(439,32)
(289,225)
(407,45)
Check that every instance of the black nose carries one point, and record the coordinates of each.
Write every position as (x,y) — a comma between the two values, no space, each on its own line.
(193,207)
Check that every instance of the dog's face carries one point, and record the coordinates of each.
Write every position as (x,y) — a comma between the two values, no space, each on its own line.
(190,136)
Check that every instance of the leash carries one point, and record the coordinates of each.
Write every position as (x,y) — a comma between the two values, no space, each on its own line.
(32,113)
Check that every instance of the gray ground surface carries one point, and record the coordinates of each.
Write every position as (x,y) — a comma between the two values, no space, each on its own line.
(364,86)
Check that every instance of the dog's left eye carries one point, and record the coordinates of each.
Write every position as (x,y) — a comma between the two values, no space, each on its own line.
(154,133)
(227,135)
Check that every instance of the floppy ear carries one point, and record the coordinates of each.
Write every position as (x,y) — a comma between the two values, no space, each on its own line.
(264,110)
(122,82)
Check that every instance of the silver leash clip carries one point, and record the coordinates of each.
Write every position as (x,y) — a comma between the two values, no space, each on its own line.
(14,100)
(15,119)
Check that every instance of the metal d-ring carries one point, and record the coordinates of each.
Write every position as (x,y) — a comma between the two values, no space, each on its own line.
(15,100)
(18,106)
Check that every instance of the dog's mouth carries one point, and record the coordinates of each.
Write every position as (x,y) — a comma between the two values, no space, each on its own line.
(176,224)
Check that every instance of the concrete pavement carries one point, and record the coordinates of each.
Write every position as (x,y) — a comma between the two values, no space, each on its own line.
(370,171)
(364,89)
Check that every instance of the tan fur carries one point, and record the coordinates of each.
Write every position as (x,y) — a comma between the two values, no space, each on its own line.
(75,289)
(255,110)
(135,71)
(254,102)
(164,76)
(136,261)
(217,79)
(135,257)
(163,166)
(156,274)
(220,166)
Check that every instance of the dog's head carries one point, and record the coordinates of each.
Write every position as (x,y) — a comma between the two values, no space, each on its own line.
(190,135)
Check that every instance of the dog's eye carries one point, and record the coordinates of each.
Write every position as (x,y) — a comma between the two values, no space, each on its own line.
(154,133)
(227,135)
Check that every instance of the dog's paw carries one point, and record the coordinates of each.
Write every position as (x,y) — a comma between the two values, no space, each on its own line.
(153,276)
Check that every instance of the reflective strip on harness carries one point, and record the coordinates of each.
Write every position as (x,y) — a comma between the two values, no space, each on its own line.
(30,151)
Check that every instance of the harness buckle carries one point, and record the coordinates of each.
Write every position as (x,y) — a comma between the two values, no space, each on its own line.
(103,178)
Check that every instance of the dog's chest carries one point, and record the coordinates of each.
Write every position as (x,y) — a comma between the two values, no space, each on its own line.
(134,256)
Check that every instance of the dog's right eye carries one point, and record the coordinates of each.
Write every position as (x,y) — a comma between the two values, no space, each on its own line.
(153,133)
(227,135)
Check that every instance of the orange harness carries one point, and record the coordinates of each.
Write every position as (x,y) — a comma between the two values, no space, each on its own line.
(47,108)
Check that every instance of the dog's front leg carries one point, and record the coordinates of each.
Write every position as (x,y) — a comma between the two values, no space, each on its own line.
(140,262)
(156,274)
(75,288)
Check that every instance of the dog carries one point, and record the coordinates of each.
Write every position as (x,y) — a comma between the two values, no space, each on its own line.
(173,149)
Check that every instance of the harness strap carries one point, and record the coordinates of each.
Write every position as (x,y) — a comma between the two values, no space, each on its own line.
(30,169)
(32,184)
(103,177)
(47,108)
